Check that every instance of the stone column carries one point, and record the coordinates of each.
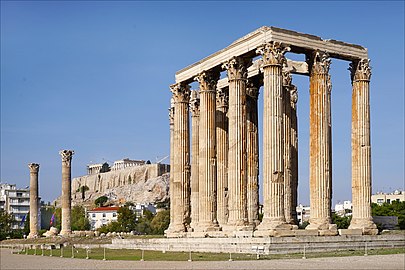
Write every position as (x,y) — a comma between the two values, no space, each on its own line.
(320,136)
(237,159)
(194,181)
(252,145)
(207,166)
(222,155)
(34,170)
(181,162)
(171,182)
(294,152)
(66,191)
(273,165)
(288,187)
(361,148)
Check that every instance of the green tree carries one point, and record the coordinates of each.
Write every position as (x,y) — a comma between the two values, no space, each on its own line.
(100,201)
(160,222)
(126,219)
(341,222)
(80,221)
(6,222)
(391,209)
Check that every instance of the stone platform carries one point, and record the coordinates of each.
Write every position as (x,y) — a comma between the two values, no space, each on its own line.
(267,245)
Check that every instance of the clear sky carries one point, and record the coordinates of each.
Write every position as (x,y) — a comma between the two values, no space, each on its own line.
(94,77)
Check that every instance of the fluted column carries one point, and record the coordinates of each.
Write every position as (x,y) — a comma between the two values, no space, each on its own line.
(320,172)
(222,155)
(34,170)
(194,181)
(294,152)
(66,191)
(288,187)
(207,165)
(273,165)
(252,145)
(361,148)
(237,159)
(171,182)
(181,162)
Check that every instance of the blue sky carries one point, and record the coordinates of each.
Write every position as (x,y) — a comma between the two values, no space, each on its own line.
(94,77)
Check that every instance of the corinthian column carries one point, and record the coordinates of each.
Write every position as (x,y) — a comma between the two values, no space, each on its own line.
(66,191)
(288,187)
(294,151)
(273,165)
(222,155)
(361,148)
(194,181)
(34,170)
(171,182)
(252,91)
(320,171)
(237,177)
(207,166)
(181,161)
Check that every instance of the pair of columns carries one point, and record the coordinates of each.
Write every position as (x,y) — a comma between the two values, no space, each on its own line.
(66,195)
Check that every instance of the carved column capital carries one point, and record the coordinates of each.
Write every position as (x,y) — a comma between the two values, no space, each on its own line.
(208,80)
(181,92)
(222,98)
(360,71)
(252,90)
(319,62)
(287,78)
(171,115)
(195,104)
(293,96)
(34,167)
(273,53)
(237,68)
(66,156)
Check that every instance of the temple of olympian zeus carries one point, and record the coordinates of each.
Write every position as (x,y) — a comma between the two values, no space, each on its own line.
(214,186)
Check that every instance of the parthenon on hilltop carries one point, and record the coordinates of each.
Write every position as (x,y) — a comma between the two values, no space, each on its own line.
(214,188)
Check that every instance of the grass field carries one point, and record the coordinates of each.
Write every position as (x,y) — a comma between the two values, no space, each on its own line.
(147,255)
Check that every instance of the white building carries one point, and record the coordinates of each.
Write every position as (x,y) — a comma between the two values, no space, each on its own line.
(140,208)
(17,203)
(303,213)
(125,163)
(381,198)
(102,216)
(344,209)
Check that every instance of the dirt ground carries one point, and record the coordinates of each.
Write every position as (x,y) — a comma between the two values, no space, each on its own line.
(15,261)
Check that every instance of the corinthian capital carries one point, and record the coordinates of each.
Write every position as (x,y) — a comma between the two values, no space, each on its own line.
(208,80)
(171,115)
(293,96)
(34,167)
(237,68)
(66,156)
(360,71)
(181,92)
(195,104)
(319,62)
(273,53)
(222,98)
(252,90)
(287,78)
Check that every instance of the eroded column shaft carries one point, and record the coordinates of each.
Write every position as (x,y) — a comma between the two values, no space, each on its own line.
(222,155)
(66,191)
(207,156)
(194,181)
(361,149)
(34,170)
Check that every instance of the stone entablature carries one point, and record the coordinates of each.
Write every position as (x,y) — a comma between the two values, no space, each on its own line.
(234,143)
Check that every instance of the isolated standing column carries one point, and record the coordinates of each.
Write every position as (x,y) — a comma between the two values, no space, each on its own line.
(361,148)
(66,191)
(34,170)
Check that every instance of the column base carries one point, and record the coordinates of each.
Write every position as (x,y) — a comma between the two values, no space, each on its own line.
(367,226)
(273,224)
(208,227)
(65,233)
(176,228)
(32,235)
(320,224)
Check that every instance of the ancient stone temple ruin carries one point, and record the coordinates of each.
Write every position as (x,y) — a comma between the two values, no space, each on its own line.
(214,188)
